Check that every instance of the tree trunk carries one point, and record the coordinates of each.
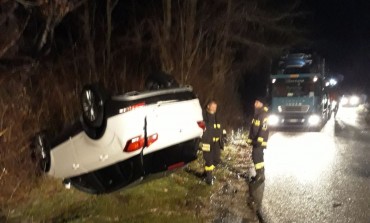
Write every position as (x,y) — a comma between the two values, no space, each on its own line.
(89,38)
(108,56)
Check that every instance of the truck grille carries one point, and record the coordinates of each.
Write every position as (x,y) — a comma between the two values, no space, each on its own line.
(300,108)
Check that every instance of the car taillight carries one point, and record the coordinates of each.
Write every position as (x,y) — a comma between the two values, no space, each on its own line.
(152,139)
(134,144)
(132,107)
(138,142)
(202,125)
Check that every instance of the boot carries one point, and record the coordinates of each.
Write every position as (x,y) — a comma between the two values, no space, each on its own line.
(209,178)
(256,189)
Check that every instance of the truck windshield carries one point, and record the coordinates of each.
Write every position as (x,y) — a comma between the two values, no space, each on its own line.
(297,87)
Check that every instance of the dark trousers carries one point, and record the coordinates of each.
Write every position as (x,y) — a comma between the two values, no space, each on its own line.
(212,157)
(257,185)
(257,155)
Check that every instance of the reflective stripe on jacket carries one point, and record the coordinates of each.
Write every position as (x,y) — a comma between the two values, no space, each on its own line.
(259,132)
(213,132)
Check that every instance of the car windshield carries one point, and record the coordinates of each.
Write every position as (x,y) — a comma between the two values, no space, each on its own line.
(297,87)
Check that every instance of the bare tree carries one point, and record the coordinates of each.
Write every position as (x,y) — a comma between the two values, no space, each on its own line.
(11,26)
(89,33)
(110,5)
(53,12)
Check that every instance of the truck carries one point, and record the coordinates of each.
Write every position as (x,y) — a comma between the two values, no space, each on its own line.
(298,93)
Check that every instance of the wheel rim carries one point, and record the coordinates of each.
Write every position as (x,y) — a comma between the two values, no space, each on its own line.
(89,105)
(42,153)
(41,148)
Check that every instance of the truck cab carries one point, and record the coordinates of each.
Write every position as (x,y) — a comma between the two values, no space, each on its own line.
(298,95)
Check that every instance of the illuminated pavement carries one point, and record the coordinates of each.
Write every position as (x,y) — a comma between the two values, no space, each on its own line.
(319,176)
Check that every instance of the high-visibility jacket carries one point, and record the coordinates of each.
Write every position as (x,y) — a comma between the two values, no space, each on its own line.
(213,132)
(259,132)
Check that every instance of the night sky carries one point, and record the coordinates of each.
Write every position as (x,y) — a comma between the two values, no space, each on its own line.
(341,33)
(338,30)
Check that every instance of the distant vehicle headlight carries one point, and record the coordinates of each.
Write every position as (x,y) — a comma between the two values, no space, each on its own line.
(344,101)
(273,120)
(354,100)
(314,120)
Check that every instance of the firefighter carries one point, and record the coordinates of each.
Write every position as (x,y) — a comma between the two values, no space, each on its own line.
(258,136)
(211,142)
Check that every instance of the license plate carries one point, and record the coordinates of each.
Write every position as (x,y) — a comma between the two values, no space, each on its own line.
(293,120)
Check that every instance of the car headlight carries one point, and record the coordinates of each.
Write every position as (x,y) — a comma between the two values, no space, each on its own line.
(314,120)
(354,100)
(273,120)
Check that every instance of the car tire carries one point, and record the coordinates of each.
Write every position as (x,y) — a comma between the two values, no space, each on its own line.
(93,100)
(92,104)
(41,151)
(160,80)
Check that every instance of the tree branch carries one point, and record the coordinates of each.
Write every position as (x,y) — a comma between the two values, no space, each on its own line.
(14,40)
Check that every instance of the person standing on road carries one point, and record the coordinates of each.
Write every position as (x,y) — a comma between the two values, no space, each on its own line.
(211,142)
(258,136)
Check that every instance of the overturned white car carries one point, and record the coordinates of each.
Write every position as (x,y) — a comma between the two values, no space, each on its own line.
(123,139)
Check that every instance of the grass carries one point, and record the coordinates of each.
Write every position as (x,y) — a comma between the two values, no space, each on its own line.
(179,197)
(176,198)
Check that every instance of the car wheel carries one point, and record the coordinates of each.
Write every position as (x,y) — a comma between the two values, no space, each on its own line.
(92,103)
(160,80)
(41,151)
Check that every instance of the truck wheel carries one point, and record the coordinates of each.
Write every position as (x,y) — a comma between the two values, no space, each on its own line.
(41,151)
(92,103)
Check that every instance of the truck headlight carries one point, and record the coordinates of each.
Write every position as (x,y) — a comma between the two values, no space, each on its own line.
(354,100)
(273,120)
(314,120)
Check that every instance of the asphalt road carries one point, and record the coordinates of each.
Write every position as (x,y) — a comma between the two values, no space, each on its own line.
(320,176)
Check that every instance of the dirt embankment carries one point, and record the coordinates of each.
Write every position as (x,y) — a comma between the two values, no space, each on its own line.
(230,201)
